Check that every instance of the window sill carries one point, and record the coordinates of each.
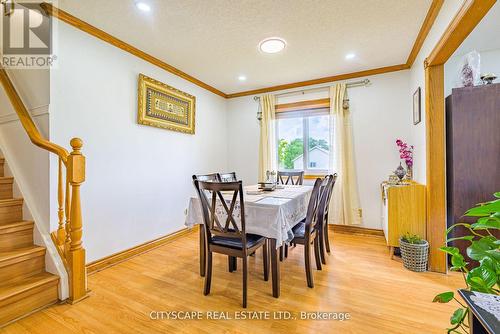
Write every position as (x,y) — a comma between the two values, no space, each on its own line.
(314,176)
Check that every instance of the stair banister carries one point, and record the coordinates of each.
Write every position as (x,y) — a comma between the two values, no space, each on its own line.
(26,120)
(68,237)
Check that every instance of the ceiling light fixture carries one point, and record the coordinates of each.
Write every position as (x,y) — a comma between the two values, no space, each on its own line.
(242,78)
(350,56)
(141,5)
(272,45)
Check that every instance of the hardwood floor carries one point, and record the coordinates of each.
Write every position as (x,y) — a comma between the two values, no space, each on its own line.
(359,278)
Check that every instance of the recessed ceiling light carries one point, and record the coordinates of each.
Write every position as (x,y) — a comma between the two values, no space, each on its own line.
(242,78)
(272,45)
(143,6)
(350,56)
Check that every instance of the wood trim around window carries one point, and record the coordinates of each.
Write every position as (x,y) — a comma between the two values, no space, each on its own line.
(314,177)
(303,105)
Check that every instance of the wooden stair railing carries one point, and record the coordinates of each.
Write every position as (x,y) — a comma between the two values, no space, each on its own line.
(68,237)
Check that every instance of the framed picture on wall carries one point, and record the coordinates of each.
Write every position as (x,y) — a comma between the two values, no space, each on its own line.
(417,115)
(164,106)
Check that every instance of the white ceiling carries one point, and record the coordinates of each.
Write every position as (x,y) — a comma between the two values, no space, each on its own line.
(217,40)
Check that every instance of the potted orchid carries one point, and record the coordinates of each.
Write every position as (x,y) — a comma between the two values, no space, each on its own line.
(406,153)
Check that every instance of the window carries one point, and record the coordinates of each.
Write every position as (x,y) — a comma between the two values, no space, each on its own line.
(303,140)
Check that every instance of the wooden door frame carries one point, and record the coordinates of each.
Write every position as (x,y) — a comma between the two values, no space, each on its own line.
(460,27)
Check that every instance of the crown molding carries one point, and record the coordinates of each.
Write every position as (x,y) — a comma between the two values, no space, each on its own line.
(108,38)
(467,18)
(104,36)
(429,20)
(339,77)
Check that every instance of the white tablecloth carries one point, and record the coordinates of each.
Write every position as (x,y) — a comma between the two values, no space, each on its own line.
(270,214)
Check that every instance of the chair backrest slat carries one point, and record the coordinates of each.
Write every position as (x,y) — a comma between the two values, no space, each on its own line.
(207,177)
(220,207)
(312,208)
(227,177)
(293,178)
(326,195)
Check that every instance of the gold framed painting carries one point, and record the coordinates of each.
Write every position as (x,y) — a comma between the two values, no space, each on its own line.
(165,107)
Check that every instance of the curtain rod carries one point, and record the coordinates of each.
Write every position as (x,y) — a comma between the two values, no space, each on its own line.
(364,82)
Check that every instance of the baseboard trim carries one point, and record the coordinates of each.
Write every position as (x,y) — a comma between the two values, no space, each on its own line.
(126,254)
(349,229)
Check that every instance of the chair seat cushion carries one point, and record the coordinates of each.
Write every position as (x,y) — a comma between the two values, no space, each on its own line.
(252,240)
(299,230)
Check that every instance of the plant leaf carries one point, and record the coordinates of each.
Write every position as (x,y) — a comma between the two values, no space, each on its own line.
(482,278)
(466,237)
(477,284)
(487,222)
(457,260)
(484,209)
(457,316)
(490,263)
(444,297)
(450,250)
(494,254)
(453,268)
(479,249)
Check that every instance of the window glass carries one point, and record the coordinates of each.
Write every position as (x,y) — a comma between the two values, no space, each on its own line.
(290,143)
(298,130)
(319,142)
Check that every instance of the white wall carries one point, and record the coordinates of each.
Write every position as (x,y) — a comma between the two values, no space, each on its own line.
(29,164)
(490,63)
(380,114)
(417,79)
(483,39)
(138,177)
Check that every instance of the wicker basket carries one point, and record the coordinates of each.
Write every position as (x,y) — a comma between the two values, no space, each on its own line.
(415,256)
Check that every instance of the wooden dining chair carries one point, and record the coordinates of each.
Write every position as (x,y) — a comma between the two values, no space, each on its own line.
(227,177)
(293,178)
(306,233)
(232,264)
(223,234)
(325,192)
(211,178)
(214,177)
(323,208)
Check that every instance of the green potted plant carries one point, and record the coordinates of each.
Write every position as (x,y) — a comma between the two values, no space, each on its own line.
(484,248)
(414,252)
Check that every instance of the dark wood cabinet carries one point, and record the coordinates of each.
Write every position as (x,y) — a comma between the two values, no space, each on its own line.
(472,151)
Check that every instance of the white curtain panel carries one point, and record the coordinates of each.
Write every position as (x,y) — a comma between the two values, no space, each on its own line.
(267,146)
(344,205)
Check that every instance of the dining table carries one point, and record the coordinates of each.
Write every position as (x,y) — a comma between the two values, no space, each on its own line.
(271,214)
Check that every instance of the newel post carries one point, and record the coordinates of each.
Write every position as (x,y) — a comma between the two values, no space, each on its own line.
(76,254)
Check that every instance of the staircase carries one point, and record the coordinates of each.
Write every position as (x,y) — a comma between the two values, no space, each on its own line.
(25,286)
